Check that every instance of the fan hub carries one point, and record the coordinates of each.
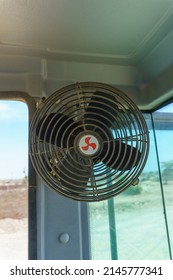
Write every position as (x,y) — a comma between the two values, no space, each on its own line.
(88,144)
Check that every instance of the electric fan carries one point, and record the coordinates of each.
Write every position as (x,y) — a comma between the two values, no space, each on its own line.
(89,141)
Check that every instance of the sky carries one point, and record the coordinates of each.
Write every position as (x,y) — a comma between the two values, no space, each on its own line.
(14,141)
(166,109)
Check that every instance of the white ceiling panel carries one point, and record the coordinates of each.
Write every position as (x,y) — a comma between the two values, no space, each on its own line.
(128,43)
(113,31)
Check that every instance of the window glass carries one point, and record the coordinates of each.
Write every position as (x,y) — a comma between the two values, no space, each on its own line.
(99,226)
(163,121)
(13,180)
(139,230)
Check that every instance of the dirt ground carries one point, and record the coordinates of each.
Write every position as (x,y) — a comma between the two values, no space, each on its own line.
(13,239)
(140,227)
(13,220)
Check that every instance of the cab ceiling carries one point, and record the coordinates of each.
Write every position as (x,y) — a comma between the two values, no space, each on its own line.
(88,34)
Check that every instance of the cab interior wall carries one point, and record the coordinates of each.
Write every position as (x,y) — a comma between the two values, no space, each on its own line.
(38,57)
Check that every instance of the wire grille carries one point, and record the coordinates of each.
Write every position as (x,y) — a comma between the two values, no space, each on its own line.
(89,141)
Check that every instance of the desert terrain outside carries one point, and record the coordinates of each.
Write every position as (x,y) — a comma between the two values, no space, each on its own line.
(139,220)
(13,219)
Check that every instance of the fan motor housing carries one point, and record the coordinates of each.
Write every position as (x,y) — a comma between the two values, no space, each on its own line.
(88,144)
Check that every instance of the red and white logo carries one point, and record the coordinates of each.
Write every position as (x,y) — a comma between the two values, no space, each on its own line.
(88,144)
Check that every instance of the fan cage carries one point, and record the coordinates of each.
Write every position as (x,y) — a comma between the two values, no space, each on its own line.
(81,108)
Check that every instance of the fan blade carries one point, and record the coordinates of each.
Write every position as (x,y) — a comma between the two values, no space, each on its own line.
(124,157)
(100,109)
(52,123)
(73,172)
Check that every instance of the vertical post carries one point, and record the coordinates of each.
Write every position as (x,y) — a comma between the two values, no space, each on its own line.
(112,229)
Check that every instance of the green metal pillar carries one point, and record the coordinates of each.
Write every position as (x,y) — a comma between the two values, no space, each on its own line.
(112,229)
